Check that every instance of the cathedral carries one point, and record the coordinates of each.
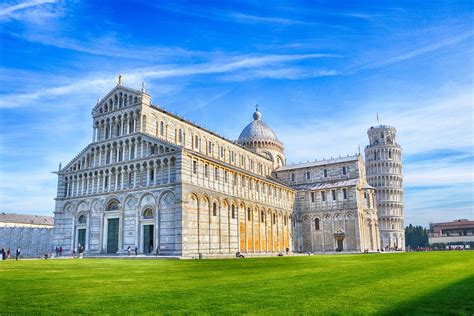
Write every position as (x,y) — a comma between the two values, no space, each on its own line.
(153,181)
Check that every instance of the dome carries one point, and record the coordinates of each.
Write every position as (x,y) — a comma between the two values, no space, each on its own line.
(257,131)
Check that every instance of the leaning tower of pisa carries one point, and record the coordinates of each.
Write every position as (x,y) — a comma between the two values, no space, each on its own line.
(383,158)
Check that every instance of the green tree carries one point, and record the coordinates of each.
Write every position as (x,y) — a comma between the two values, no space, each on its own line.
(416,236)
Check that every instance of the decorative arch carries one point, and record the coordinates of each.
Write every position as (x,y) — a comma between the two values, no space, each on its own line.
(167,199)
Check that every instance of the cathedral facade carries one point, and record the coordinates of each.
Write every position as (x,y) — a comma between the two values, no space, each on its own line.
(154,181)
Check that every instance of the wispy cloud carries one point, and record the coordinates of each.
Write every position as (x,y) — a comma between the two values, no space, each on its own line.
(8,10)
(99,82)
(415,52)
(230,16)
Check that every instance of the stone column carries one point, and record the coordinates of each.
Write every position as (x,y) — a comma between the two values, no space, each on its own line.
(134,178)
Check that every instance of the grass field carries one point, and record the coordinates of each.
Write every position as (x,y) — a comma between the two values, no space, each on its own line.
(405,283)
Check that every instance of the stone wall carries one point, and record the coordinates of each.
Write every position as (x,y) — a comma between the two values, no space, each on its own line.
(34,242)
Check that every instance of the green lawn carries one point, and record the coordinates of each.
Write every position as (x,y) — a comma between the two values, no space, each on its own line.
(405,283)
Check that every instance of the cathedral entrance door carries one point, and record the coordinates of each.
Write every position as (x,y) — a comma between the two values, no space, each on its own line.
(148,238)
(112,235)
(340,244)
(81,238)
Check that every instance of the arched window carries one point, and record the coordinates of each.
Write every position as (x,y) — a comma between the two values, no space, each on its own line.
(316,224)
(214,209)
(148,213)
(162,129)
(180,136)
(82,219)
(196,142)
(262,216)
(344,170)
(248,214)
(233,211)
(113,206)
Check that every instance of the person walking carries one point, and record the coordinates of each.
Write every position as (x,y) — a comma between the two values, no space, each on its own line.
(60,250)
(136,251)
(18,253)
(129,250)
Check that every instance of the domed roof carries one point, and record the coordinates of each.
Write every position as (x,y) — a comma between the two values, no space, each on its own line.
(257,131)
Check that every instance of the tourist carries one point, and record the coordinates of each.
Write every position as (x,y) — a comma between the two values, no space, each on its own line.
(60,250)
(4,253)
(81,251)
(74,252)
(136,251)
(18,253)
(8,253)
(129,250)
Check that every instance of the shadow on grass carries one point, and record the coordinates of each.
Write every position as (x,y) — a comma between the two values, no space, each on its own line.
(456,299)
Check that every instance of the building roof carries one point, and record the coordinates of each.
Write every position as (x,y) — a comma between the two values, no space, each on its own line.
(257,130)
(26,219)
(318,163)
(459,223)
(330,185)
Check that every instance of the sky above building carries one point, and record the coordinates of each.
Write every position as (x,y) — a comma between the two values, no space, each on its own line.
(319,70)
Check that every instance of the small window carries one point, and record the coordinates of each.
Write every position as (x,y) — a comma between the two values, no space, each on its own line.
(316,224)
(206,171)
(262,217)
(333,195)
(284,220)
(390,154)
(214,209)
(195,166)
(248,214)
(216,173)
(325,171)
(308,175)
(82,219)
(162,129)
(292,177)
(274,219)
(148,213)
(312,197)
(344,193)
(323,196)
(233,211)
(226,176)
(196,142)
(344,170)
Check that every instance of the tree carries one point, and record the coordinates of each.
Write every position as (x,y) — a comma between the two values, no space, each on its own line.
(416,236)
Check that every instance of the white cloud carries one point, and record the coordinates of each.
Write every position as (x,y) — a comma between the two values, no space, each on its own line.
(8,11)
(99,82)
(387,61)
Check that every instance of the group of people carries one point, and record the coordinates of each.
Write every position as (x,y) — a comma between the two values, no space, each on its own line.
(81,251)
(129,250)
(7,253)
(58,251)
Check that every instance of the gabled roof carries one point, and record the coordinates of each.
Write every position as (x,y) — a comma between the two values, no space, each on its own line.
(26,219)
(150,137)
(118,87)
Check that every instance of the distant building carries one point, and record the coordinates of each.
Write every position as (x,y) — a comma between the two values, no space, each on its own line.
(32,233)
(457,232)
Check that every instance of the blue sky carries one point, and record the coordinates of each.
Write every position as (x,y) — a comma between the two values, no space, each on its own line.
(319,70)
